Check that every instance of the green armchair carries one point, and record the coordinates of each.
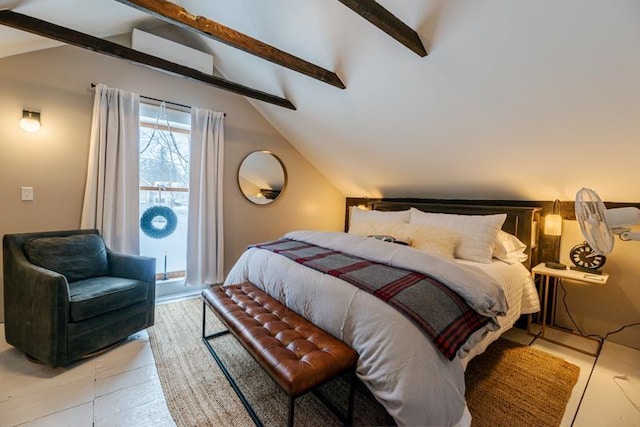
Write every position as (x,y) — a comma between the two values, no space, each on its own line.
(67,295)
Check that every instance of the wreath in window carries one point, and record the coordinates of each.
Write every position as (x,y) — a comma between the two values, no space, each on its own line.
(158,215)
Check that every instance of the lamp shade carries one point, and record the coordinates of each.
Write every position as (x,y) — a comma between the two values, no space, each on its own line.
(30,121)
(553,225)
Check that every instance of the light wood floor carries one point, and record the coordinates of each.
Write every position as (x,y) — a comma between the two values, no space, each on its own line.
(121,387)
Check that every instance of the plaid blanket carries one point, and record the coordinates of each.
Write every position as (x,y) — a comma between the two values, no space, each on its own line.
(441,313)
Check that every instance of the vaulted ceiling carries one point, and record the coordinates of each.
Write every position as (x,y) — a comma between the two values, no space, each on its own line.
(516,99)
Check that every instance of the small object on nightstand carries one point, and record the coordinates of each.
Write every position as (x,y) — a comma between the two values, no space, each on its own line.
(555,265)
(586,259)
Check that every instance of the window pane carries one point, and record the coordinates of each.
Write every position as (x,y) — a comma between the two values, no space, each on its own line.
(164,194)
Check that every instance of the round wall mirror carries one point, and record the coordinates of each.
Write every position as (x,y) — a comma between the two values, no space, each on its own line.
(262,177)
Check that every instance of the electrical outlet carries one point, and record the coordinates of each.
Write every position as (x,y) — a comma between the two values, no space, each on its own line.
(27,193)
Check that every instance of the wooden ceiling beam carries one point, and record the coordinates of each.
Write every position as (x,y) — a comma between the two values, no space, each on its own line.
(85,41)
(177,15)
(387,22)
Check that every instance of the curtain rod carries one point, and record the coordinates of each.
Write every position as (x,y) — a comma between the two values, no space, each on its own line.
(93,85)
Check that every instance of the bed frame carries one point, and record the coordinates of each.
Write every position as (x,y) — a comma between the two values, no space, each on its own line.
(522,221)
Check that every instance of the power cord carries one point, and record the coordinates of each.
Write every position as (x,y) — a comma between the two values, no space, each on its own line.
(600,337)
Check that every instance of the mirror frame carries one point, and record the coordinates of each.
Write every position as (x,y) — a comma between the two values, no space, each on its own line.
(284,172)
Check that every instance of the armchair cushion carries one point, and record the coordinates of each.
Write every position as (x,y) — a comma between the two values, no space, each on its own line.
(98,295)
(77,257)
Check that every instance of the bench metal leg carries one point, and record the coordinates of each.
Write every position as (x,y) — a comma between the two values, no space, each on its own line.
(292,401)
(347,419)
(223,368)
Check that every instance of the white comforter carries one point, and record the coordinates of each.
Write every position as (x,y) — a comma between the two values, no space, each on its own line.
(398,362)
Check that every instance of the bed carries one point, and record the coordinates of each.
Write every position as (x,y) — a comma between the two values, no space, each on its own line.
(407,373)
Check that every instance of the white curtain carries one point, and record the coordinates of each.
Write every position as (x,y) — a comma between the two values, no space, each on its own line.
(111,191)
(205,231)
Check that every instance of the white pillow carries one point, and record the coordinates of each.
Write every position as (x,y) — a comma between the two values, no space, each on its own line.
(358,215)
(509,248)
(478,233)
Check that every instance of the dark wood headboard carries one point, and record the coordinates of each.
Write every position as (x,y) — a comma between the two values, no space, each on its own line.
(523,222)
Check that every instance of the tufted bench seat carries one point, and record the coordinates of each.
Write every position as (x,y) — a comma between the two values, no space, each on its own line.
(298,355)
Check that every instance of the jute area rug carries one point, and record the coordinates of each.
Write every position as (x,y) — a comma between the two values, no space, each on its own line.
(508,385)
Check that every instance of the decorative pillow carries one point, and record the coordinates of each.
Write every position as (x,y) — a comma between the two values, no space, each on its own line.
(358,215)
(77,257)
(477,233)
(435,240)
(509,248)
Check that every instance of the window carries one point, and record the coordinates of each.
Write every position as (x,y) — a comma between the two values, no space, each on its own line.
(164,188)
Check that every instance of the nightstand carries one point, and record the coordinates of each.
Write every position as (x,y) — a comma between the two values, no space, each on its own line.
(546,274)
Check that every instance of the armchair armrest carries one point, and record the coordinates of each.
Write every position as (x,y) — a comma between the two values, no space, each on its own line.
(132,267)
(36,309)
(138,268)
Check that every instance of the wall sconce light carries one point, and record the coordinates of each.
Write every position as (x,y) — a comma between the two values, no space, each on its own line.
(553,221)
(553,227)
(30,121)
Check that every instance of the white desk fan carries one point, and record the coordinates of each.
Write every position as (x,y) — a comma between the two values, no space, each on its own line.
(599,224)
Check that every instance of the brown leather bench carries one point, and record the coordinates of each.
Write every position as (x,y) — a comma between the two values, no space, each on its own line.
(298,355)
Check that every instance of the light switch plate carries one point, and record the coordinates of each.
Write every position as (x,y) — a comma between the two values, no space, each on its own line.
(27,193)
